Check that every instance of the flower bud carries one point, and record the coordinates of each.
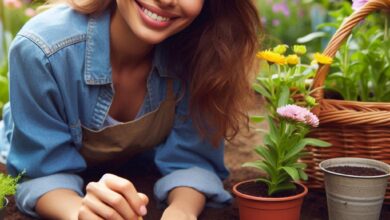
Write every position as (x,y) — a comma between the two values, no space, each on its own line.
(310,100)
(299,49)
(292,60)
(280,49)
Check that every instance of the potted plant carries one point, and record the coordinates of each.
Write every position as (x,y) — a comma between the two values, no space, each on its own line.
(8,186)
(355,187)
(279,195)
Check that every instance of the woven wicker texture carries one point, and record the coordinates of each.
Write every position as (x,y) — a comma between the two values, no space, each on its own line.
(355,129)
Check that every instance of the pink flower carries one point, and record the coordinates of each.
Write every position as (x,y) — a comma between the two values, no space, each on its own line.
(12,3)
(275,22)
(357,4)
(29,12)
(298,114)
(281,7)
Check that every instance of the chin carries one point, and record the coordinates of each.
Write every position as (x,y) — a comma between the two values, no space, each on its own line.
(149,39)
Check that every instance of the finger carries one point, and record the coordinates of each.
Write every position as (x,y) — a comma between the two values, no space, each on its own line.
(115,201)
(86,214)
(99,208)
(127,189)
(144,198)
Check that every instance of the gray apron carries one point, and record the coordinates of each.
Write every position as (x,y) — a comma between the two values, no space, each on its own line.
(119,142)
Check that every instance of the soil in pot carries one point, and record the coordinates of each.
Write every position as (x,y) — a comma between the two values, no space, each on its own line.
(356,171)
(260,189)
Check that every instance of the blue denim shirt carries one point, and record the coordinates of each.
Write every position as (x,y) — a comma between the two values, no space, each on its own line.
(60,80)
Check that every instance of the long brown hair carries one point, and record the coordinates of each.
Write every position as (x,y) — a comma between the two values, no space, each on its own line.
(217,54)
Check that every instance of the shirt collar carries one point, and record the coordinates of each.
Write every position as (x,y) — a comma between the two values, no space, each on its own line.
(97,54)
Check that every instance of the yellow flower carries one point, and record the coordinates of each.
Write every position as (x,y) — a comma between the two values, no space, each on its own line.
(272,57)
(280,49)
(299,49)
(292,59)
(322,58)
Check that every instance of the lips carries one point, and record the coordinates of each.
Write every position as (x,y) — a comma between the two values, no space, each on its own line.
(154,14)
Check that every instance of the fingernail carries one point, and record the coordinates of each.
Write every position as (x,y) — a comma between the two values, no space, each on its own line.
(143,210)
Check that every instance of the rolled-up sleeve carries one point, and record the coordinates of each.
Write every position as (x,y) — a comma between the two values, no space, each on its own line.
(31,190)
(186,159)
(41,143)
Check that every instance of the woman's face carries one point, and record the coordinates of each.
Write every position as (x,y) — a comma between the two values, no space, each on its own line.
(153,21)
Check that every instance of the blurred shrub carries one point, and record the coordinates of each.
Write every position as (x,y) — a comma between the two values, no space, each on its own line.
(13,15)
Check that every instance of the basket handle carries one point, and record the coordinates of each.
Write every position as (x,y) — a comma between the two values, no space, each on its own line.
(340,36)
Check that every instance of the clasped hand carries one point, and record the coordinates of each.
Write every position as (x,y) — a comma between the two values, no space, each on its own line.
(114,198)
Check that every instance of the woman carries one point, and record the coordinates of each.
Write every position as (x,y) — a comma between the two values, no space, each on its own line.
(97,81)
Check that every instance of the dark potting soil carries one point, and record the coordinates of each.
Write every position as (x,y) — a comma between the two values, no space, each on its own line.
(260,189)
(356,171)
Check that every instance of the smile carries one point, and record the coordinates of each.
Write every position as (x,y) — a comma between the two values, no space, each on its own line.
(155,17)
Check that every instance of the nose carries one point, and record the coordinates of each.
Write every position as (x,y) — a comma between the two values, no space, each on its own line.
(167,3)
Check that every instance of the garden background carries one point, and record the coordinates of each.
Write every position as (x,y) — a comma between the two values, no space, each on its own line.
(290,22)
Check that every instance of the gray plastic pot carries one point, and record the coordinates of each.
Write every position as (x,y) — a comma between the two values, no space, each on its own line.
(352,197)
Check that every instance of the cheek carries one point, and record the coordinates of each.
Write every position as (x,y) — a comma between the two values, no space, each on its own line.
(192,8)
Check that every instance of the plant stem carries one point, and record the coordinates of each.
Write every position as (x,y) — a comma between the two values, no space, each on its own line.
(386,35)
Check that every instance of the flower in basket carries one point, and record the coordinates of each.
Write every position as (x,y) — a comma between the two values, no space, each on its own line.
(8,186)
(285,83)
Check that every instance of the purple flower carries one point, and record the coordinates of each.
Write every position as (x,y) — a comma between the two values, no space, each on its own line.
(357,4)
(281,7)
(299,114)
(275,22)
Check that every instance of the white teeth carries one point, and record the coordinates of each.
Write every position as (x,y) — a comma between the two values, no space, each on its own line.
(155,16)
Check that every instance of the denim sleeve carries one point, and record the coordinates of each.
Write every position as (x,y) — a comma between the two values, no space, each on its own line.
(41,142)
(26,197)
(186,159)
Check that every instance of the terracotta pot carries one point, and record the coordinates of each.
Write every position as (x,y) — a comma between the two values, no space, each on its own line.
(351,197)
(2,210)
(256,208)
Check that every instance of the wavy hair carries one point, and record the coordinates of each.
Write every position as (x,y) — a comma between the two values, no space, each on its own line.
(218,53)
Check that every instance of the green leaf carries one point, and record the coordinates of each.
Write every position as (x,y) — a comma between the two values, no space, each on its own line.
(294,150)
(264,181)
(292,172)
(284,187)
(256,118)
(284,96)
(265,154)
(302,174)
(299,165)
(261,90)
(316,142)
(258,165)
(310,37)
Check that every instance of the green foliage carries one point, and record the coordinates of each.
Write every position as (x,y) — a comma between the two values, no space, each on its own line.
(284,20)
(361,70)
(8,186)
(12,18)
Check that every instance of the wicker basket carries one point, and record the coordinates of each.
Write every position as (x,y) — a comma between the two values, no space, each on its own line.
(355,129)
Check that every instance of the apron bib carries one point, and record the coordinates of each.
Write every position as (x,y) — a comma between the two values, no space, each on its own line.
(119,142)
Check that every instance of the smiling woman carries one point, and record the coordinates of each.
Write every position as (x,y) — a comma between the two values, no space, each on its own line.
(170,78)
